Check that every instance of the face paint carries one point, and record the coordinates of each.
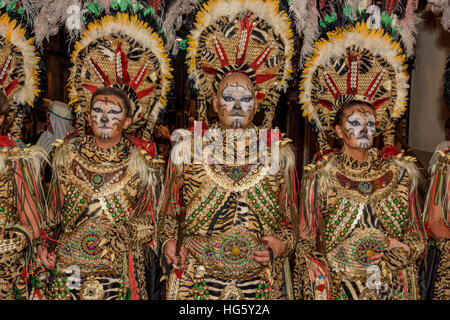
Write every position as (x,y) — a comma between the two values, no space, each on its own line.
(359,127)
(108,117)
(236,102)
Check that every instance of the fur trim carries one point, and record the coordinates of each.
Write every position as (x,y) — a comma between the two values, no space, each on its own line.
(34,155)
(173,20)
(408,163)
(181,153)
(147,174)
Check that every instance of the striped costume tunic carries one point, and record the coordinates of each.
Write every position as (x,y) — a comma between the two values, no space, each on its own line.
(230,207)
(103,200)
(351,209)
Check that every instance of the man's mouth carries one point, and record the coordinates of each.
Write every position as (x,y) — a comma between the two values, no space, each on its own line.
(104,128)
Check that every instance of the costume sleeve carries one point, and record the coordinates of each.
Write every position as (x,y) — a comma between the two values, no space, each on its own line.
(169,210)
(415,236)
(29,195)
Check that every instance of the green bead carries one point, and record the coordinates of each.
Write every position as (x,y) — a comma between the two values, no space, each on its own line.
(345,229)
(391,225)
(268,220)
(206,293)
(355,211)
(337,222)
(76,195)
(263,214)
(119,210)
(334,212)
(10,215)
(202,298)
(204,283)
(264,201)
(271,196)
(257,191)
(195,296)
(275,204)
(114,215)
(122,285)
(329,220)
(260,286)
(71,189)
(202,222)
(340,200)
(195,285)
(250,196)
(256,205)
(108,205)
(77,209)
(257,296)
(270,208)
(348,204)
(209,215)
(82,200)
(213,192)
(222,196)
(351,220)
(116,200)
(200,209)
(207,201)
(388,204)
(402,210)
(194,216)
(395,201)
(339,238)
(124,219)
(2,209)
(386,217)
(394,214)
(344,214)
(344,296)
(216,206)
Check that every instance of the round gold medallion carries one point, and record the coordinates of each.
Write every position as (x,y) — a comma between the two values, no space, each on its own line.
(92,290)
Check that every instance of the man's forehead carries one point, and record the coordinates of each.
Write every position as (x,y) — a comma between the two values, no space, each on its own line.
(107,100)
(361,110)
(237,78)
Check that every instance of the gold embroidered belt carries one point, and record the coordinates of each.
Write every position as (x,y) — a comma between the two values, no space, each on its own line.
(352,256)
(227,256)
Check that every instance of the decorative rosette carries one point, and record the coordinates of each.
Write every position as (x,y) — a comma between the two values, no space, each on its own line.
(121,51)
(249,36)
(359,55)
(20,65)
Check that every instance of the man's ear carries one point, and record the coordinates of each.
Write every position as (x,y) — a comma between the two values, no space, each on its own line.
(2,119)
(215,102)
(127,123)
(339,131)
(89,120)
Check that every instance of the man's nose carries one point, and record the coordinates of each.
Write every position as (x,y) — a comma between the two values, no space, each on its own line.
(104,119)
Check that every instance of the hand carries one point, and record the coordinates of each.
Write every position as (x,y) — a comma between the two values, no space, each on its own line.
(314,271)
(46,258)
(170,253)
(263,256)
(393,243)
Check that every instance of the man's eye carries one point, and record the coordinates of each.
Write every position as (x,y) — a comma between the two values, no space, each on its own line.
(371,124)
(98,110)
(113,111)
(247,99)
(228,99)
(354,123)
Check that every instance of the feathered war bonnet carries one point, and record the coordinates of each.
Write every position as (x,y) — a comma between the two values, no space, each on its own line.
(358,53)
(20,64)
(249,36)
(121,46)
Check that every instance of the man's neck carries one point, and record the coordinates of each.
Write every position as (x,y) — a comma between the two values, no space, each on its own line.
(360,155)
(106,143)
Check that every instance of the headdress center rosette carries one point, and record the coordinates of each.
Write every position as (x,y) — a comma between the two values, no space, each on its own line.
(19,69)
(249,36)
(355,62)
(121,51)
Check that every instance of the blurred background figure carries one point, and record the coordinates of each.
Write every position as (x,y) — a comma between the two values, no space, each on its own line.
(444,145)
(59,124)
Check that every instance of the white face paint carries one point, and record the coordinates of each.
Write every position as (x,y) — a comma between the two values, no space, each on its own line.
(359,127)
(108,117)
(236,103)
